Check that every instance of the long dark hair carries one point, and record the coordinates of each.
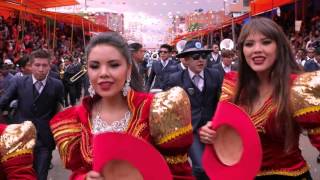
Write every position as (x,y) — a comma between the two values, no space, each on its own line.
(117,41)
(284,126)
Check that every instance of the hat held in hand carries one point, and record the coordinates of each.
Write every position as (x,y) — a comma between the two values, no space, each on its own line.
(121,156)
(236,151)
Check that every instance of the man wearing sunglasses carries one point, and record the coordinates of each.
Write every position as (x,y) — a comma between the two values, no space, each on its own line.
(203,86)
(161,68)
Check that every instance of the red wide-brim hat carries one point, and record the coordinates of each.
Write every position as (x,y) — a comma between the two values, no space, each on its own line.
(137,152)
(227,158)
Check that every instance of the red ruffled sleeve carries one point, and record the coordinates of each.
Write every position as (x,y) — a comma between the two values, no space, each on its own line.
(16,148)
(306,104)
(228,86)
(66,129)
(171,130)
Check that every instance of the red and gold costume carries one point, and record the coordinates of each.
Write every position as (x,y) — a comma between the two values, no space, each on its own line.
(16,148)
(163,119)
(305,100)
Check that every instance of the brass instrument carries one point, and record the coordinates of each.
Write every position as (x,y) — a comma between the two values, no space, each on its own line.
(61,73)
(75,77)
(180,45)
(226,44)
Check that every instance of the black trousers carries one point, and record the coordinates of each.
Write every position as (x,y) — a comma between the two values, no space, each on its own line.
(305,176)
(70,91)
(195,153)
(42,160)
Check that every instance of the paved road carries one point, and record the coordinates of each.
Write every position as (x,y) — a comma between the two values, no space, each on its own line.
(309,152)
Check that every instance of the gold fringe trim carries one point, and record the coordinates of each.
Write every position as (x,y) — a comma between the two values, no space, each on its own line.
(59,133)
(306,110)
(227,90)
(284,172)
(176,133)
(64,122)
(314,131)
(15,154)
(262,115)
(176,159)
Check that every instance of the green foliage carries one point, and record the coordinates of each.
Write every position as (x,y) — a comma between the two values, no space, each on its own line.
(194,27)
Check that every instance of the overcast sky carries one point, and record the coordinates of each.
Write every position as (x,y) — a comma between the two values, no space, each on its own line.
(153,15)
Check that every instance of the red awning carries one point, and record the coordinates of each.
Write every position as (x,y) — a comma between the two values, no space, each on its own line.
(76,20)
(40,4)
(261,6)
(70,19)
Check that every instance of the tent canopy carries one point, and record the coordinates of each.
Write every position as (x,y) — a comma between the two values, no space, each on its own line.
(59,17)
(40,4)
(261,6)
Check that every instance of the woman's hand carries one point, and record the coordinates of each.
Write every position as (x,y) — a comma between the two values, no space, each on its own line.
(93,175)
(207,134)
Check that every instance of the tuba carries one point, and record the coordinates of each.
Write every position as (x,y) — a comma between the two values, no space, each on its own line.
(226,44)
(180,45)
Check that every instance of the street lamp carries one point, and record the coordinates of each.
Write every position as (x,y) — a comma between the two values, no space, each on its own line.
(224,6)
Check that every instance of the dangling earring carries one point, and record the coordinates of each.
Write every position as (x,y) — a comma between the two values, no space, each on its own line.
(126,87)
(91,91)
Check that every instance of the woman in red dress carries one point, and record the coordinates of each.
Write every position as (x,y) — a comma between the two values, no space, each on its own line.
(117,104)
(281,101)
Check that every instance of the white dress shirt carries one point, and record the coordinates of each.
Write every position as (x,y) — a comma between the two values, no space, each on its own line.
(164,63)
(201,81)
(214,57)
(34,80)
(226,68)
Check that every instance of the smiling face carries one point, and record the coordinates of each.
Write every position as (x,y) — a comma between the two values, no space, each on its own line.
(260,52)
(107,70)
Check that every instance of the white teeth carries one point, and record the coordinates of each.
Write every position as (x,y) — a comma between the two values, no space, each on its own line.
(258,58)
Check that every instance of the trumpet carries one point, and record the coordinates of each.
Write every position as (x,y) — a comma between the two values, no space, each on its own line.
(75,77)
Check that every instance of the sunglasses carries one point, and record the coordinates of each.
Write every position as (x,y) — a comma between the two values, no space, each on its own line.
(197,56)
(165,52)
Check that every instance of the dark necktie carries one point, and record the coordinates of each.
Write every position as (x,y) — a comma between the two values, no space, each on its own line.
(38,86)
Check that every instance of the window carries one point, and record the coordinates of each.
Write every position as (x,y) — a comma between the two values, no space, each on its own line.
(235,1)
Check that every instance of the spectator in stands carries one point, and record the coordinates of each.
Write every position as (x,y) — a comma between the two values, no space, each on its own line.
(25,66)
(310,55)
(300,56)
(313,64)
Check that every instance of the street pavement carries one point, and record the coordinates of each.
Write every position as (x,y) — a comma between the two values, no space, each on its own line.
(310,153)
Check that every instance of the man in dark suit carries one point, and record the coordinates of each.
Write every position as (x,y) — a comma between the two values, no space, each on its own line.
(226,64)
(39,97)
(161,68)
(214,57)
(313,64)
(71,88)
(182,65)
(137,54)
(54,74)
(203,86)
